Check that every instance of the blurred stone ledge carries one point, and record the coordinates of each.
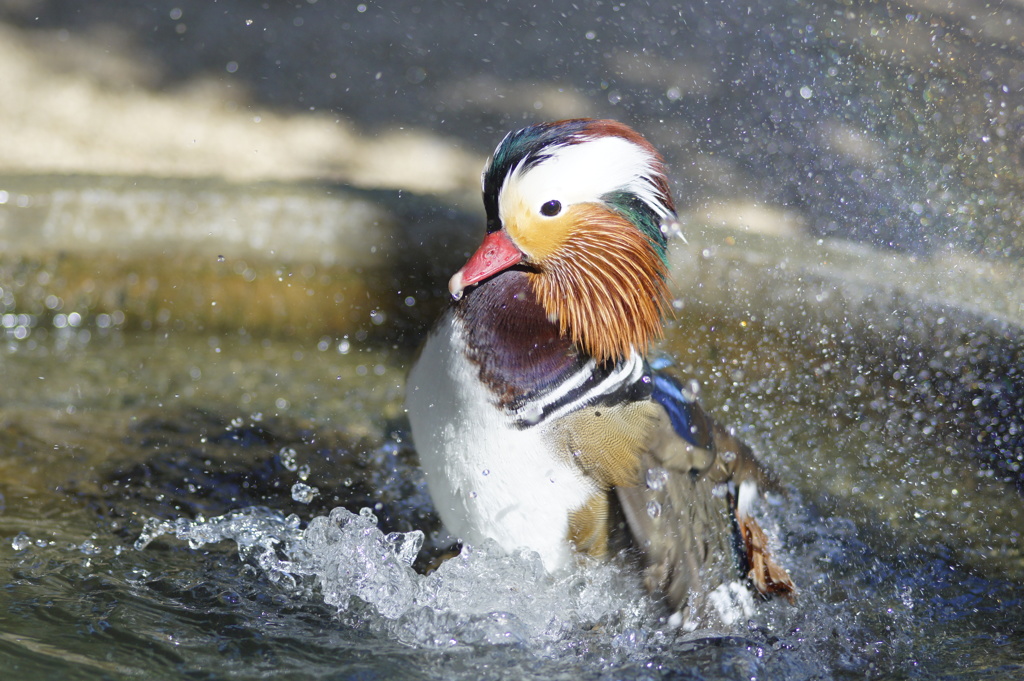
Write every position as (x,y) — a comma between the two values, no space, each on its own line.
(331,259)
(210,255)
(84,215)
(847,289)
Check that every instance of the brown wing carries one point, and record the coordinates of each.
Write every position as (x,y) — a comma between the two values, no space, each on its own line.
(686,518)
(676,502)
(735,462)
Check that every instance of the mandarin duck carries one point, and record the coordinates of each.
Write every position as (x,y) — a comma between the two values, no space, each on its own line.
(537,418)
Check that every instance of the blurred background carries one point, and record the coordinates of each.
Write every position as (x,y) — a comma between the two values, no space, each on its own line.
(894,124)
(225,225)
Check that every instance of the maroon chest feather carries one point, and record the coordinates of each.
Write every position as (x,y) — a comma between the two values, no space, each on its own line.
(520,353)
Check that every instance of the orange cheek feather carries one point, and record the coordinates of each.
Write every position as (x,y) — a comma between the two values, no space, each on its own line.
(599,276)
(539,237)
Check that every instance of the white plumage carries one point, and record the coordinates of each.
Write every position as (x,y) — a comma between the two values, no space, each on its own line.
(488,479)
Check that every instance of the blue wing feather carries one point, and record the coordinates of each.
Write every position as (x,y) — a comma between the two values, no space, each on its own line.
(683,411)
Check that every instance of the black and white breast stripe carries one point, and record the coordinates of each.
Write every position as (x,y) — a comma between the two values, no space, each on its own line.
(533,372)
(629,379)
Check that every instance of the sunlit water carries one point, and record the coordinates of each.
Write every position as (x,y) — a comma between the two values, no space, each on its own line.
(214,507)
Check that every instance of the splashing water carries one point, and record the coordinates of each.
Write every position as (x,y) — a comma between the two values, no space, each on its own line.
(480,596)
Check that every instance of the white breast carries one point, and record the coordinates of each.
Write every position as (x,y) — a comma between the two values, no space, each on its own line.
(488,479)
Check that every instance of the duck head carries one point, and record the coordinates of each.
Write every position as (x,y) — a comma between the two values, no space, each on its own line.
(582,206)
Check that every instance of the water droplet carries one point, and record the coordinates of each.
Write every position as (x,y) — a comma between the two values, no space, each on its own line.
(694,387)
(531,413)
(89,548)
(653,509)
(303,493)
(288,458)
(21,541)
(656,477)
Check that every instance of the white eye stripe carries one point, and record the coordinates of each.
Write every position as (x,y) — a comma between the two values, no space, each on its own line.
(583,173)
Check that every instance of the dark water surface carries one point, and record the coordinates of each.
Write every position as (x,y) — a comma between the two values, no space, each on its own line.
(906,551)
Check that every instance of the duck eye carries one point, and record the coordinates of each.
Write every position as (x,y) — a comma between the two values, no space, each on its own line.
(551,208)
